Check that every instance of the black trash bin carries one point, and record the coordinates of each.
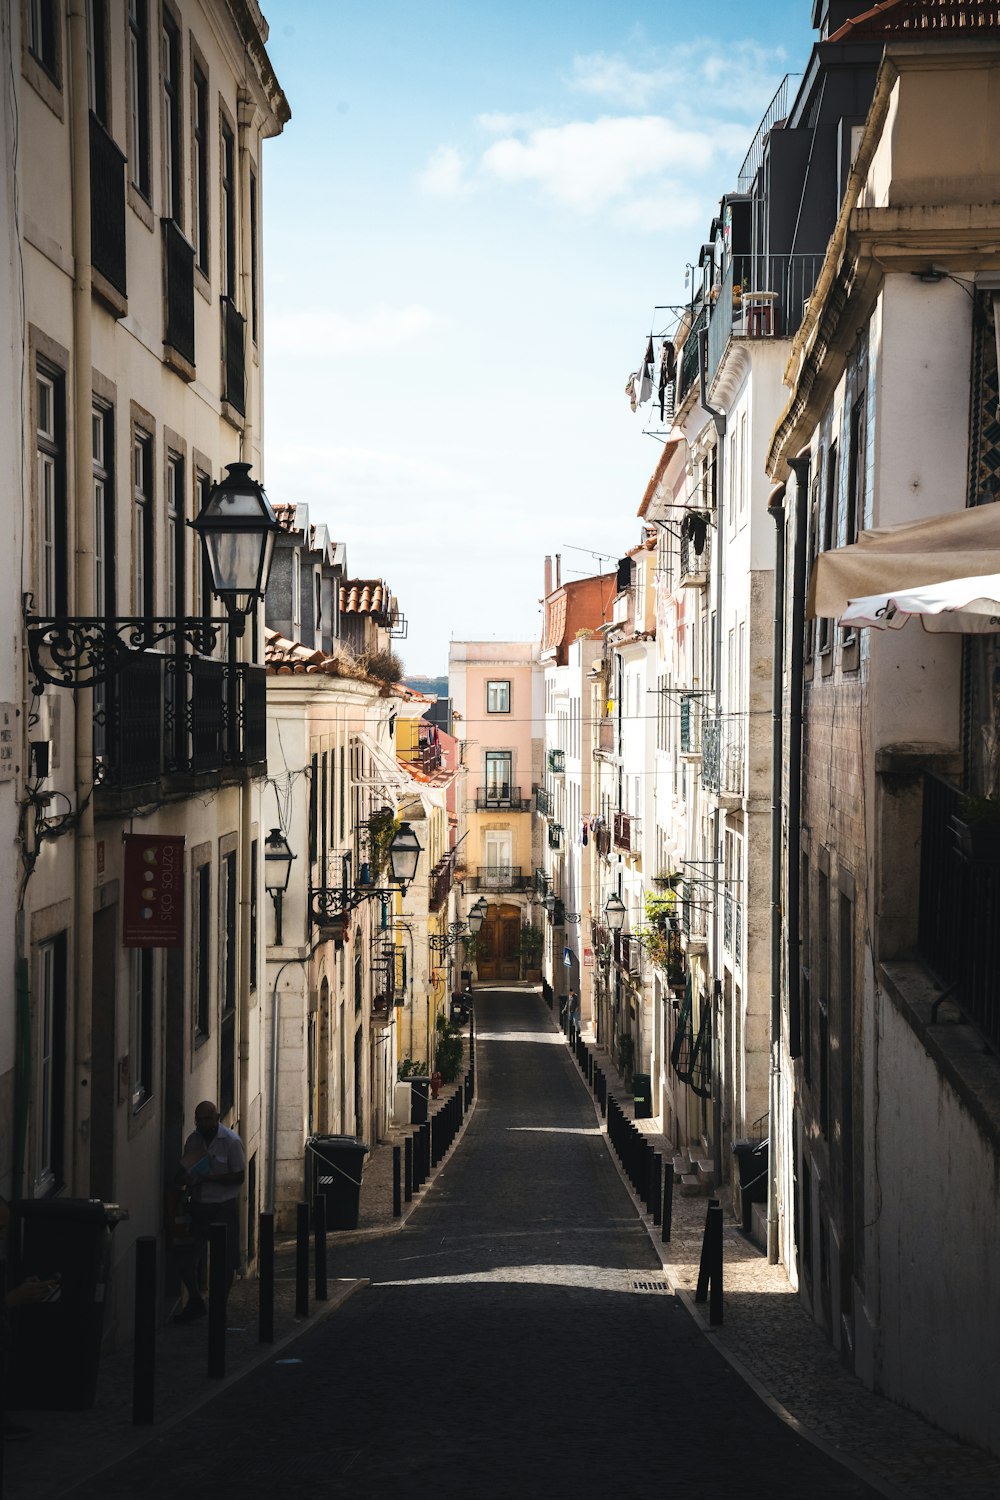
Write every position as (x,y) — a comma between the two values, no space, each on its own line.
(642,1096)
(56,1345)
(418,1100)
(337,1164)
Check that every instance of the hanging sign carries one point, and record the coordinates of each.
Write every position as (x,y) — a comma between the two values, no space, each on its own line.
(153,891)
(588,958)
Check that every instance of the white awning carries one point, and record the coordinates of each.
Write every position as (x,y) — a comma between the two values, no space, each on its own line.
(890,559)
(966,606)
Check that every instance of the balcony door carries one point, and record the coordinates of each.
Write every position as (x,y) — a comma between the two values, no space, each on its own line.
(498,849)
(499,766)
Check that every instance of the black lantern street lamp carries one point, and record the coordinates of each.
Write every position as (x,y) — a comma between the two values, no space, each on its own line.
(328,903)
(614,912)
(237,527)
(476,916)
(277,872)
(404,853)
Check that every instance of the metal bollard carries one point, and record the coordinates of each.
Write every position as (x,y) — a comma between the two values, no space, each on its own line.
(435,1138)
(715,1266)
(265,1288)
(425,1150)
(408,1169)
(705,1266)
(302,1260)
(668,1202)
(654,1202)
(319,1245)
(397,1182)
(144,1345)
(218,1277)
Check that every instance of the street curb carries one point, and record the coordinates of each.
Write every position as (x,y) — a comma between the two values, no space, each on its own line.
(699,1317)
(340,1292)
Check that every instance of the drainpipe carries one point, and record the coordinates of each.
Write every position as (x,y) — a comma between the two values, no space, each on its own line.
(719,421)
(776,509)
(800,468)
(83,596)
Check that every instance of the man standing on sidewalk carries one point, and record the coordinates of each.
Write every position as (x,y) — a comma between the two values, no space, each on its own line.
(213,1167)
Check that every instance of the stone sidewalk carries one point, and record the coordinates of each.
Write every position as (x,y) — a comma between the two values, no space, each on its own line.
(63,1449)
(770,1339)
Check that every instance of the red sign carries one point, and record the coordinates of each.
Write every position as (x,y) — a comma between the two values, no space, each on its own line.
(153,891)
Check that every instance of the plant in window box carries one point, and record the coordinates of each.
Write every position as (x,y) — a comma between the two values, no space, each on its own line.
(977,827)
(382,827)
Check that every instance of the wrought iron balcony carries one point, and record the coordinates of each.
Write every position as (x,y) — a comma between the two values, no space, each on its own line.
(723,756)
(441,880)
(543,802)
(555,836)
(760,296)
(695,566)
(107,206)
(233,356)
(499,878)
(626,833)
(957,933)
(689,355)
(179,280)
(542,881)
(502,795)
(691,725)
(556,762)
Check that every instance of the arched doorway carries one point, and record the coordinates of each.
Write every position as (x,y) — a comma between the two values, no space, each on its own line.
(498,952)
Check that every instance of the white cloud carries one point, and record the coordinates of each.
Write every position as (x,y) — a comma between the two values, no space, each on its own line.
(741,79)
(590,164)
(320,334)
(498,123)
(442,176)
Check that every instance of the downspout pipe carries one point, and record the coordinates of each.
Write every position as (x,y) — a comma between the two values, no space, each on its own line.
(776,510)
(800,466)
(719,422)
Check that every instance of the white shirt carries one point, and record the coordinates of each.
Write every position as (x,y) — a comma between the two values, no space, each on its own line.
(226,1154)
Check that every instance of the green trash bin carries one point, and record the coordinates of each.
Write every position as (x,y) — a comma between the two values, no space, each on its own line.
(337,1166)
(642,1096)
(56,1345)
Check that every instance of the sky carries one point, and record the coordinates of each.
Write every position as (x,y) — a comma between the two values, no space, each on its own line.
(468,223)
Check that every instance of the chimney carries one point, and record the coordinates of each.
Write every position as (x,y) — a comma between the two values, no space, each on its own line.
(558,571)
(548,578)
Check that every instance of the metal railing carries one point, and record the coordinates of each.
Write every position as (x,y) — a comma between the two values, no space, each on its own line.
(957,929)
(722,756)
(760,296)
(543,802)
(502,795)
(625,832)
(107,206)
(776,110)
(691,725)
(233,356)
(556,761)
(499,878)
(695,566)
(555,835)
(689,356)
(179,280)
(441,879)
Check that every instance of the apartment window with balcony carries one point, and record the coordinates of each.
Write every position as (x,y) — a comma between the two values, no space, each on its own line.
(228,212)
(202,987)
(829,532)
(199,179)
(50,472)
(142,496)
(171,121)
(102,471)
(227,976)
(51,1064)
(175,534)
(812,549)
(498,697)
(97,59)
(141,1024)
(499,770)
(253,913)
(254,267)
(138,54)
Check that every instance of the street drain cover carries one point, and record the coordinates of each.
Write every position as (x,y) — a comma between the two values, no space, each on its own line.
(650,1286)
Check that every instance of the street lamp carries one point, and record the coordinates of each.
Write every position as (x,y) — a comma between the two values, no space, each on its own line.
(277,872)
(404,853)
(614,912)
(237,528)
(327,904)
(476,916)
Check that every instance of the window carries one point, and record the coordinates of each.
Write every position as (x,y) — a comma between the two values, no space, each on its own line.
(200,178)
(171,68)
(175,534)
(50,461)
(142,494)
(102,431)
(141,1023)
(138,53)
(43,35)
(227,1019)
(812,547)
(202,988)
(499,765)
(823,999)
(829,531)
(228,212)
(254,270)
(742,496)
(97,60)
(314,811)
(201,578)
(51,1074)
(498,697)
(856,471)
(253,913)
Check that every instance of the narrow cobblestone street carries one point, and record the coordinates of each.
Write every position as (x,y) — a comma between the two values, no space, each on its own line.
(524,1288)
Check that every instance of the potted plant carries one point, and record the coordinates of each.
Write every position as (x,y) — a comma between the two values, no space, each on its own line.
(532,943)
(977,827)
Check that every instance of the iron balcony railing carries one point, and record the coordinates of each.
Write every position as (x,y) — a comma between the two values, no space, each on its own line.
(958,933)
(625,832)
(691,729)
(542,881)
(556,761)
(442,876)
(732,926)
(233,356)
(689,355)
(694,917)
(722,756)
(695,566)
(499,878)
(179,281)
(502,795)
(776,110)
(555,835)
(107,206)
(761,296)
(543,802)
